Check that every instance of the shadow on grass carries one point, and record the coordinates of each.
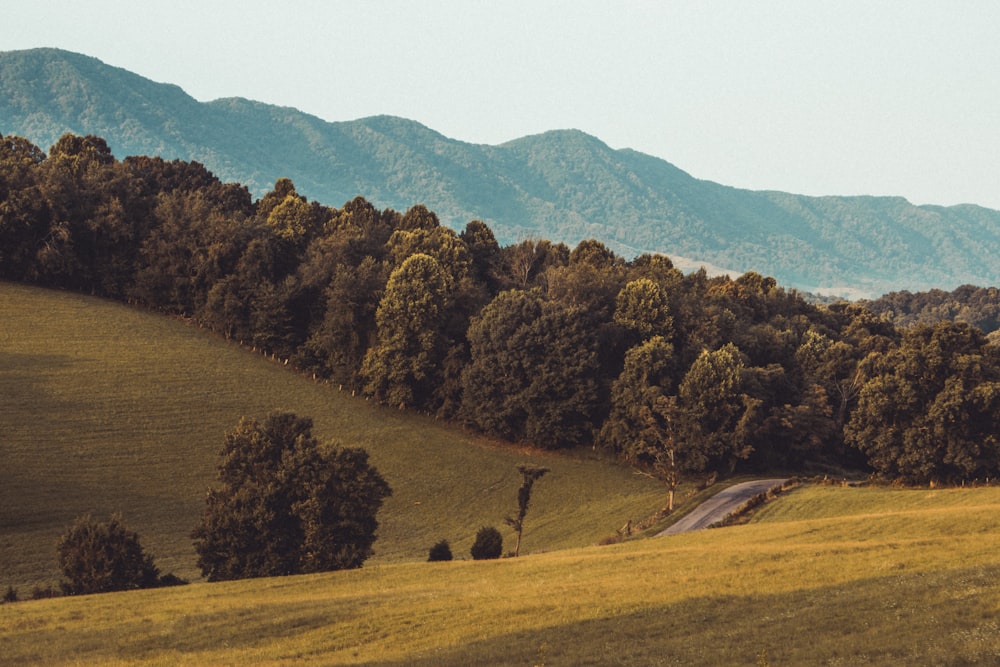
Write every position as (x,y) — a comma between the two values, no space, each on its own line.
(944,617)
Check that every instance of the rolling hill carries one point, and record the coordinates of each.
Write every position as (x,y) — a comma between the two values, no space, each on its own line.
(562,185)
(105,408)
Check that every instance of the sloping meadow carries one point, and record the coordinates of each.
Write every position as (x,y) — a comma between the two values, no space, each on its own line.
(105,408)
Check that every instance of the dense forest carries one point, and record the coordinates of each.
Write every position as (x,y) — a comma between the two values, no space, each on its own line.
(979,306)
(531,342)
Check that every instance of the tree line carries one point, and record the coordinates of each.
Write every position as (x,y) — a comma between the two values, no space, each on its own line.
(531,342)
(979,306)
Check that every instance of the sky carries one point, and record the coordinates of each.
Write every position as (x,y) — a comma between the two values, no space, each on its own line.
(873,97)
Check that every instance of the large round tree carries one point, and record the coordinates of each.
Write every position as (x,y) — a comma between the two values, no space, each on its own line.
(287,504)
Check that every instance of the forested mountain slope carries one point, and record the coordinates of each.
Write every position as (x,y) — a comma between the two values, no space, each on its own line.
(561,185)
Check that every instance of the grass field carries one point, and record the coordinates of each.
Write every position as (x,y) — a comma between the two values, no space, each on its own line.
(108,408)
(105,408)
(822,576)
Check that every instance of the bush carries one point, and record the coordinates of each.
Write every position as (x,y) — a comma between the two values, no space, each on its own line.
(171,579)
(488,544)
(10,595)
(440,552)
(103,557)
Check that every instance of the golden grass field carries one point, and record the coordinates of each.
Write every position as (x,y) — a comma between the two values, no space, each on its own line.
(822,576)
(106,408)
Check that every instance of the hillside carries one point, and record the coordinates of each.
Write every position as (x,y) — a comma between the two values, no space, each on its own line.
(825,576)
(561,185)
(106,408)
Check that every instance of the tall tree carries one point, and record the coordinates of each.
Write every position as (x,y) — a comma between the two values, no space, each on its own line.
(529,475)
(23,211)
(641,307)
(401,367)
(642,382)
(714,414)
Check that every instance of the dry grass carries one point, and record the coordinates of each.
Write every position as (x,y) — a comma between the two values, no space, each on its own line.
(875,579)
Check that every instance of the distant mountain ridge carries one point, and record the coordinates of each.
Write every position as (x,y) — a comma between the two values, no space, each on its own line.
(562,185)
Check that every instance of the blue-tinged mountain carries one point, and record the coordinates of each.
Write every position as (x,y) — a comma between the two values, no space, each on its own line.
(561,185)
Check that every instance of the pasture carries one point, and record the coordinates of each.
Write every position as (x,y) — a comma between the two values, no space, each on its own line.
(107,408)
(823,576)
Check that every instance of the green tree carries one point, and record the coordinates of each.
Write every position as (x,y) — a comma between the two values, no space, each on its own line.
(195,242)
(487,260)
(641,307)
(590,281)
(529,475)
(292,219)
(340,339)
(656,444)
(441,243)
(526,263)
(642,382)
(532,371)
(286,504)
(23,212)
(98,557)
(714,415)
(419,217)
(401,367)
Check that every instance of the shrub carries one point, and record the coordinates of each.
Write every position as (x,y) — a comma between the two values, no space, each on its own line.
(10,595)
(171,579)
(440,552)
(488,544)
(102,557)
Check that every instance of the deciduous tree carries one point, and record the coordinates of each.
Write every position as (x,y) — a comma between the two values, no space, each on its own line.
(401,367)
(287,504)
(532,373)
(714,414)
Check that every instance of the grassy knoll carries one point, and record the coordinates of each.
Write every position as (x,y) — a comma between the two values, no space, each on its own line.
(106,408)
(825,576)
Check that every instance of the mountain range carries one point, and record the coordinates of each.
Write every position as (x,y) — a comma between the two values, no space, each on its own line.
(562,185)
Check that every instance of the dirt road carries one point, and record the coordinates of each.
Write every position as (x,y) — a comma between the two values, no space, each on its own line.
(721,505)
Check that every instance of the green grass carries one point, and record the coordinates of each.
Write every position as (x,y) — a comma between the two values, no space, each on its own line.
(823,576)
(107,408)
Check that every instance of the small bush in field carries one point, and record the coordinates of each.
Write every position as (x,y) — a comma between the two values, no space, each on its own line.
(100,557)
(488,544)
(10,595)
(440,552)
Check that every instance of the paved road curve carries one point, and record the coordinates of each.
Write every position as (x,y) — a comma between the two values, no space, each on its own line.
(719,506)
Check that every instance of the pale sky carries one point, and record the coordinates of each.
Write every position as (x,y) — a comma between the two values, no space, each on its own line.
(805,96)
